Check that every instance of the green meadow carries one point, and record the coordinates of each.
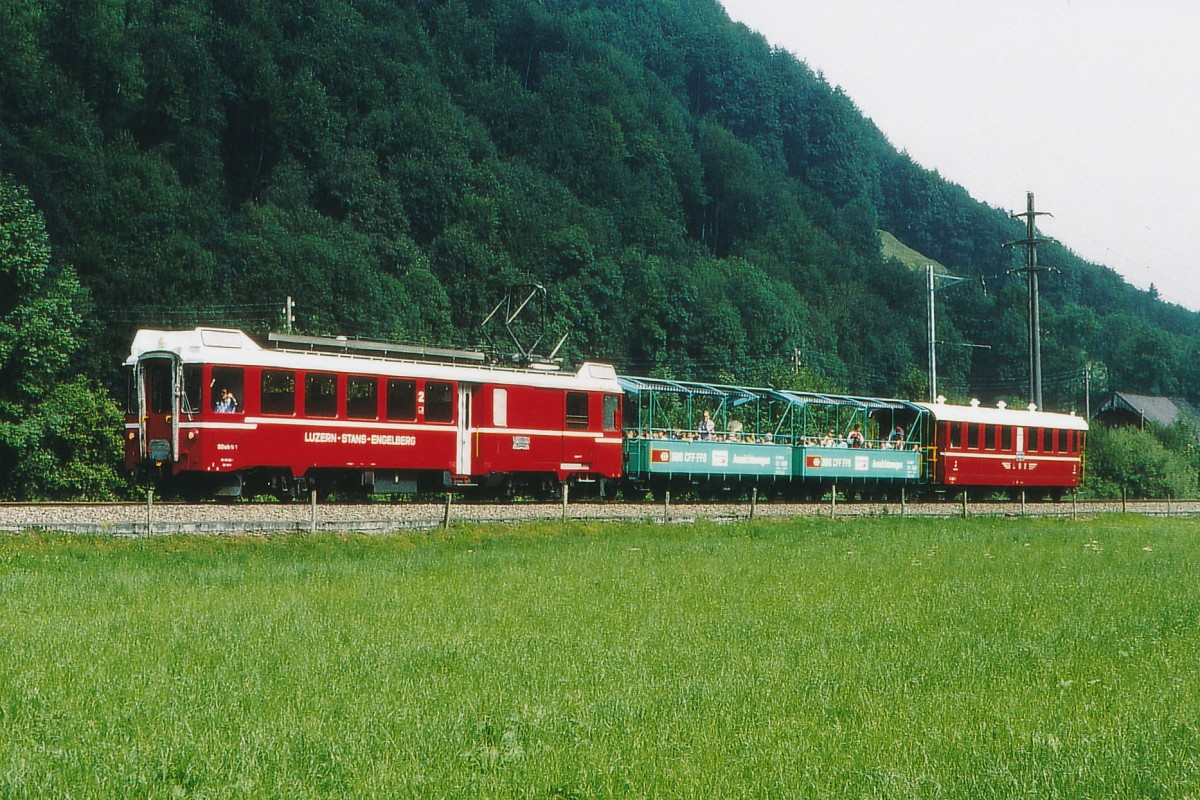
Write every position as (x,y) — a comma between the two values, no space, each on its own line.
(811,658)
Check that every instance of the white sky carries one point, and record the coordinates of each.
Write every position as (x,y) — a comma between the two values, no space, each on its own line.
(1093,105)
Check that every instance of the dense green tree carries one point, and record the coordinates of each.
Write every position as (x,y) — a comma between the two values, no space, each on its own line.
(58,433)
(1138,462)
(694,201)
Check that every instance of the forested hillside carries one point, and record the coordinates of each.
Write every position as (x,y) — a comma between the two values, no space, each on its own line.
(696,203)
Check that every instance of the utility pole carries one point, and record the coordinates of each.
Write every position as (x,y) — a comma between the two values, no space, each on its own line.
(289,314)
(1087,391)
(1031,270)
(933,277)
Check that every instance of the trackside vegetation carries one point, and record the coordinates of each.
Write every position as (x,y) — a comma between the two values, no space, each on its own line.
(809,658)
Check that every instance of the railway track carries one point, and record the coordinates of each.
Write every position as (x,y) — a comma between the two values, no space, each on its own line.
(133,519)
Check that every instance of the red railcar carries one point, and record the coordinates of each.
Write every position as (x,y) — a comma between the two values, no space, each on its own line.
(360,418)
(973,446)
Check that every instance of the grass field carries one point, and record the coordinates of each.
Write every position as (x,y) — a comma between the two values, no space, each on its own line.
(877,658)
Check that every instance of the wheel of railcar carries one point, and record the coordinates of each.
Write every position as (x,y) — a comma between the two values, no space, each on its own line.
(550,489)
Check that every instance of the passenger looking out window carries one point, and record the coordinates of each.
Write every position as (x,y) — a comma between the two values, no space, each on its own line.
(226,403)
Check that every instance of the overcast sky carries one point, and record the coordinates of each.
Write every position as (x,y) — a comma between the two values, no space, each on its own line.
(1093,105)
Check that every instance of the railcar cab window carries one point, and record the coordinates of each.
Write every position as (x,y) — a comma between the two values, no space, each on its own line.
(131,395)
(362,397)
(577,410)
(193,382)
(278,392)
(226,379)
(439,401)
(320,395)
(158,386)
(401,400)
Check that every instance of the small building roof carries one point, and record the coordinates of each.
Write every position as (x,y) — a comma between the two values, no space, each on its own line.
(1138,407)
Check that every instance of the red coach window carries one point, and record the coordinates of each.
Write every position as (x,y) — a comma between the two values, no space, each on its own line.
(956,429)
(401,400)
(278,392)
(1006,438)
(362,397)
(612,404)
(577,410)
(973,436)
(320,395)
(439,401)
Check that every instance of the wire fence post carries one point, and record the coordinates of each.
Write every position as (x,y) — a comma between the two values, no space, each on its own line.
(1075,504)
(1168,504)
(312,518)
(903,502)
(753,501)
(566,491)
(833,501)
(1124,499)
(1022,502)
(667,505)
(446,513)
(964,497)
(150,512)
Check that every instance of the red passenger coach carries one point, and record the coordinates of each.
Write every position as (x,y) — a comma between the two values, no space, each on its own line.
(1005,448)
(213,411)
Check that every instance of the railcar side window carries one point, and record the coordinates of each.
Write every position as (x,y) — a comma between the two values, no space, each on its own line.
(439,401)
(955,435)
(401,400)
(1064,441)
(500,407)
(278,392)
(1006,438)
(612,403)
(362,397)
(320,395)
(577,410)
(231,378)
(973,436)
(1033,440)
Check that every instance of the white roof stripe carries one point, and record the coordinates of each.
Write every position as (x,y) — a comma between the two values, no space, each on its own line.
(945,412)
(235,348)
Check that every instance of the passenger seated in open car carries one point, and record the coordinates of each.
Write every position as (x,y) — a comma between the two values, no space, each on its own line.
(855,437)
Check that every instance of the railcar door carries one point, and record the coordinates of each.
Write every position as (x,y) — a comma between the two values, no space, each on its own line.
(462,461)
(159,377)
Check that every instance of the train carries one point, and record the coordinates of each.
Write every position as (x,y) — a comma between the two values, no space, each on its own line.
(212,413)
